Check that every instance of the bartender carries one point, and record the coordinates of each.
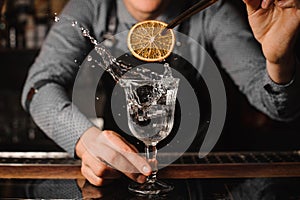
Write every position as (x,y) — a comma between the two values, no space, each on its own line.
(262,61)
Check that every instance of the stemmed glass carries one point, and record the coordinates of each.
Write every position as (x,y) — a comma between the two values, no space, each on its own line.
(150,113)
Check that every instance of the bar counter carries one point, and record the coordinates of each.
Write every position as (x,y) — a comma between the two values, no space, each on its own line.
(218,175)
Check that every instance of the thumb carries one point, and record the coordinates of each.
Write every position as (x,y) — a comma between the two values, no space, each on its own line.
(252,5)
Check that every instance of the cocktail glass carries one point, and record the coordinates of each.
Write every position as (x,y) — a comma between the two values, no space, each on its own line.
(150,113)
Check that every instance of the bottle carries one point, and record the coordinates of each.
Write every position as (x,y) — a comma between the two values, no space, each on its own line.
(30,33)
(11,24)
(42,13)
(18,12)
(3,26)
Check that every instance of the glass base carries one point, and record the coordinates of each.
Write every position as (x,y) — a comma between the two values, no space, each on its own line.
(150,188)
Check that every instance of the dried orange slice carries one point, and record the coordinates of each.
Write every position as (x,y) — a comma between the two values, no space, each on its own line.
(150,41)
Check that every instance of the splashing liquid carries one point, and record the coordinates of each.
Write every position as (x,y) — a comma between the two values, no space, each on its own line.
(107,61)
(117,68)
(143,108)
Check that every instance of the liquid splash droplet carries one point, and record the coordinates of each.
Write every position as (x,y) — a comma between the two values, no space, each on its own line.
(168,71)
(85,32)
(89,58)
(56,19)
(74,23)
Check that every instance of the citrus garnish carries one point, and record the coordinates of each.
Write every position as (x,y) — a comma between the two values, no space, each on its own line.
(150,41)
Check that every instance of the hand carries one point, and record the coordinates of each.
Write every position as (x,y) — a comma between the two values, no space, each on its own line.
(105,154)
(276,24)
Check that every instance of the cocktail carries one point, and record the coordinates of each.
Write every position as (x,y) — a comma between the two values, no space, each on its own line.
(150,113)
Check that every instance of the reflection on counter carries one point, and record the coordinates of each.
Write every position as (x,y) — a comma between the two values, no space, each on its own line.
(185,189)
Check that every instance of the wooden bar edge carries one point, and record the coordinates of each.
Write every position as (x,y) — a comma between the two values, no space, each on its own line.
(169,172)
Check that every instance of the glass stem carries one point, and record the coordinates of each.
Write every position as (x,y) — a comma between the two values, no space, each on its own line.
(151,152)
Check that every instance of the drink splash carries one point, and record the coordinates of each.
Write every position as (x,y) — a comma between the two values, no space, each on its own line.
(117,68)
(146,101)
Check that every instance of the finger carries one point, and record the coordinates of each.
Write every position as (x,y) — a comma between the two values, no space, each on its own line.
(116,140)
(90,176)
(288,3)
(99,168)
(252,5)
(88,173)
(140,178)
(115,159)
(266,3)
(139,162)
(131,145)
(127,152)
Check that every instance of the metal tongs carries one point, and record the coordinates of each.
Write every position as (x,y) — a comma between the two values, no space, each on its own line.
(201,5)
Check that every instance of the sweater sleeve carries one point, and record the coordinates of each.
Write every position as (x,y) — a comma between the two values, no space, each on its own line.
(241,56)
(57,64)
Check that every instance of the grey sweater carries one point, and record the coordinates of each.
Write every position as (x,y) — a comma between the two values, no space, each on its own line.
(221,29)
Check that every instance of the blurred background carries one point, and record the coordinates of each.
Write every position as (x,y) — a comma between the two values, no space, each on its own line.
(23,27)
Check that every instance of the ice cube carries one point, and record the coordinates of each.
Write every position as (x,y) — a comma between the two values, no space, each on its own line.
(144,93)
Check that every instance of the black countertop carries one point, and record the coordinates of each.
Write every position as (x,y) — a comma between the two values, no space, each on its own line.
(198,189)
